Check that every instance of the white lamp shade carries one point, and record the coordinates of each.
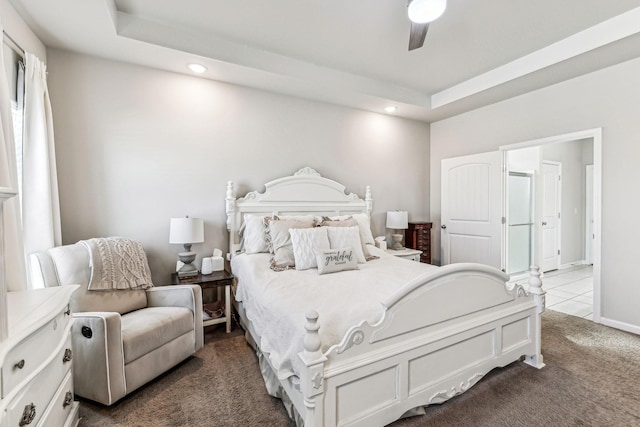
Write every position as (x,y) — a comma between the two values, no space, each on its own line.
(424,11)
(397,220)
(186,230)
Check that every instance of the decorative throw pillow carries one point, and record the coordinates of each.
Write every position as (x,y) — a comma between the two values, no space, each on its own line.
(364,222)
(347,221)
(279,240)
(252,235)
(347,237)
(306,242)
(333,260)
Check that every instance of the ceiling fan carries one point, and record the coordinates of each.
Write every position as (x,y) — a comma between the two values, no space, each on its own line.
(421,13)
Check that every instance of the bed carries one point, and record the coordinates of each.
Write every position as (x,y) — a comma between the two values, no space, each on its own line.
(365,347)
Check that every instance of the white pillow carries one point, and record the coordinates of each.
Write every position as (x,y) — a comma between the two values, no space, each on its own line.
(364,223)
(252,234)
(306,243)
(279,241)
(346,237)
(333,260)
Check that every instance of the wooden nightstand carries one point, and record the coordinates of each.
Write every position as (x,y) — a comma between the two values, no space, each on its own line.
(217,280)
(418,236)
(410,254)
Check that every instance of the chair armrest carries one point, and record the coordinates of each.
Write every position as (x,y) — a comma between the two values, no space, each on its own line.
(98,356)
(188,296)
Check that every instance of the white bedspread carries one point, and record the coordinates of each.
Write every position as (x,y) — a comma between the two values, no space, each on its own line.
(276,302)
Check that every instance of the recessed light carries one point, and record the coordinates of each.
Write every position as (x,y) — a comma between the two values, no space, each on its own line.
(197,68)
(391,109)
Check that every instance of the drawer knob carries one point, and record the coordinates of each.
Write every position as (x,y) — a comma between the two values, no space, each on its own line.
(19,365)
(28,414)
(68,354)
(68,398)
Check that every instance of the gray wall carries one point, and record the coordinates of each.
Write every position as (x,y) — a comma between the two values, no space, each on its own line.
(137,146)
(574,156)
(610,99)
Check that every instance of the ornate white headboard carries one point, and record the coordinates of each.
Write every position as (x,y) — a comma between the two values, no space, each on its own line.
(306,192)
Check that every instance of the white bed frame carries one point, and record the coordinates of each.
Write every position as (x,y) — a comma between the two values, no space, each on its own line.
(435,340)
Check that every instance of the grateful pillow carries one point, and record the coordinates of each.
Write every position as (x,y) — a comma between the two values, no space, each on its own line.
(348,221)
(279,240)
(306,243)
(333,260)
(346,237)
(252,235)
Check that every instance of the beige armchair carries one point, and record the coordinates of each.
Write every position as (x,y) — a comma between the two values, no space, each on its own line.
(121,339)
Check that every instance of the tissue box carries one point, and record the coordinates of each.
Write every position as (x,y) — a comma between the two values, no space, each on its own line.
(211,264)
(217,263)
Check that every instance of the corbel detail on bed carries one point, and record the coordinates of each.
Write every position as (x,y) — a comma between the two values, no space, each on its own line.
(354,337)
(441,396)
(230,203)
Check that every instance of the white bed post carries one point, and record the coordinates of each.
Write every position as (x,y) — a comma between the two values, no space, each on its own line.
(535,288)
(368,200)
(311,379)
(230,208)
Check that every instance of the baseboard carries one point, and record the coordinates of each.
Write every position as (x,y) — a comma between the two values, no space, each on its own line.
(573,264)
(620,325)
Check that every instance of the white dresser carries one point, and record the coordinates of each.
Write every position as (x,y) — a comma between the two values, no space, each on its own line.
(36,382)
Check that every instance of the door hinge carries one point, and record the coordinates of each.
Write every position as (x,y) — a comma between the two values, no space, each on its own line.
(558,215)
(558,251)
(504,220)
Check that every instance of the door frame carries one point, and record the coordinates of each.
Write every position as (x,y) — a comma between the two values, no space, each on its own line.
(559,202)
(596,135)
(588,235)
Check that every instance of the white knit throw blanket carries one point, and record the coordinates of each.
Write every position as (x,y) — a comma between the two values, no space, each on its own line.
(117,263)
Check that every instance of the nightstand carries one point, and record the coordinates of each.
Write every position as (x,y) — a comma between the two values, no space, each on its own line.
(217,280)
(410,254)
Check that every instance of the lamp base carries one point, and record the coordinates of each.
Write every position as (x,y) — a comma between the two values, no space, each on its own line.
(188,269)
(397,242)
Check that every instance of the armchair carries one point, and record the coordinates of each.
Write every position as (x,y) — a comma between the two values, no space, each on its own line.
(121,339)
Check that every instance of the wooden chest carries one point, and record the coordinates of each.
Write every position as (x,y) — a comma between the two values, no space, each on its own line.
(418,236)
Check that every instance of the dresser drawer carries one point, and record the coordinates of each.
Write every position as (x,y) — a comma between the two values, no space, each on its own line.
(35,397)
(30,353)
(62,406)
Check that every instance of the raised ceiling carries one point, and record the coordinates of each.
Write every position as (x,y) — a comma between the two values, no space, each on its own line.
(354,52)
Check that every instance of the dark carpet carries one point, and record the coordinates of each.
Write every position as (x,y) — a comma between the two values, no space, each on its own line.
(592,378)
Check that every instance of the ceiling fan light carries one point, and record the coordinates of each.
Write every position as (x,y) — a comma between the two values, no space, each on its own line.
(424,11)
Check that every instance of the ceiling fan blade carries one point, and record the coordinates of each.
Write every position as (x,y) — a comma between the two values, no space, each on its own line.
(417,35)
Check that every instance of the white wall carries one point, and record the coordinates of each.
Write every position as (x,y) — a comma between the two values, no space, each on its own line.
(20,32)
(610,99)
(574,156)
(137,146)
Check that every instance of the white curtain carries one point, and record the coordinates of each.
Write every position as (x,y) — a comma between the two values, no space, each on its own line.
(14,253)
(40,202)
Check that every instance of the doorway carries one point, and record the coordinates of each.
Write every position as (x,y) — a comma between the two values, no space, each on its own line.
(575,161)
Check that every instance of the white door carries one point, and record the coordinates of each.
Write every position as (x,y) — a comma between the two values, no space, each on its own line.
(472,200)
(551,176)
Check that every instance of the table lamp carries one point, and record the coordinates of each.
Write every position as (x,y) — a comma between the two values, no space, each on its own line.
(186,231)
(397,220)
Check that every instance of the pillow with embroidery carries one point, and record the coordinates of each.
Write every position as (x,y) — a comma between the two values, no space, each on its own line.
(334,260)
(347,237)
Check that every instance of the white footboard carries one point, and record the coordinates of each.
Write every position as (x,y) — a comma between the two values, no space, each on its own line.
(439,335)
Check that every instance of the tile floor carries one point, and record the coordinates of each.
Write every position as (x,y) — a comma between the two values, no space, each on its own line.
(570,290)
